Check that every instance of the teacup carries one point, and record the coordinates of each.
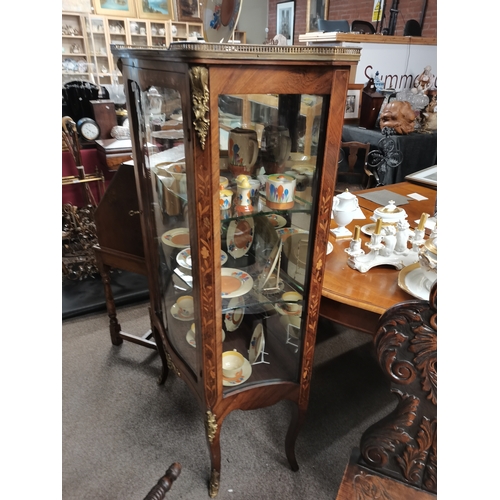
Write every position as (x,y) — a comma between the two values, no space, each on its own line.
(243,150)
(291,302)
(280,191)
(192,335)
(184,307)
(232,364)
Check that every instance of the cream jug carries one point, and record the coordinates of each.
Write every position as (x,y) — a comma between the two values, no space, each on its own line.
(243,150)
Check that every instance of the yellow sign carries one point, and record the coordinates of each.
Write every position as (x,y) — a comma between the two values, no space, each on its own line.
(378,6)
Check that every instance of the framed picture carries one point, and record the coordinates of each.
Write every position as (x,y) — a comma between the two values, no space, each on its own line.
(353,102)
(427,177)
(155,9)
(316,9)
(284,20)
(124,8)
(188,10)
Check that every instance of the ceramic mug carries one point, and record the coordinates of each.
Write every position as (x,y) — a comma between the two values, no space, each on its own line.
(280,191)
(276,146)
(243,150)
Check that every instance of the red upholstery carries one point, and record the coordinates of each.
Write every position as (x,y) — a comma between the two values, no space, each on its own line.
(73,193)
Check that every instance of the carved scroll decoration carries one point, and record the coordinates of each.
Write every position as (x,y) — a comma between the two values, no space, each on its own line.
(368,487)
(200,98)
(380,440)
(211,426)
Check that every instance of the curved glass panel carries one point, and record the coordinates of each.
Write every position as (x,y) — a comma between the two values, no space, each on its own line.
(163,145)
(268,149)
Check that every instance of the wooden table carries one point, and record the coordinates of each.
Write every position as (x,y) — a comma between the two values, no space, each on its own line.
(356,299)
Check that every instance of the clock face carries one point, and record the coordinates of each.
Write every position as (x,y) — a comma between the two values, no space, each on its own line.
(88,129)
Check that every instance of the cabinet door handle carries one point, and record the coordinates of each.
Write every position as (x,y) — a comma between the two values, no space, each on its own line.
(134,212)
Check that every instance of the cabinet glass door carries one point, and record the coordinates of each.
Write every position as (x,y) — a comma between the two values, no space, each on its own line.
(268,149)
(162,140)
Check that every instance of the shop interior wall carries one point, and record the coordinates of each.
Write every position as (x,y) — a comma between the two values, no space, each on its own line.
(361,10)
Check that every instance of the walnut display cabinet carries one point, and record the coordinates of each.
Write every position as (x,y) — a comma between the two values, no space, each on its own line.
(246,276)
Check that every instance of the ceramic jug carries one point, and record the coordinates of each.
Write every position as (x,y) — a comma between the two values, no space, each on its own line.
(243,150)
(276,146)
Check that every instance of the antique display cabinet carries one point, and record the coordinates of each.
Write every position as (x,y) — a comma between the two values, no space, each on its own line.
(235,178)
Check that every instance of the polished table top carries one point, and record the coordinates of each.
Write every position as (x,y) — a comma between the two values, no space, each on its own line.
(357,299)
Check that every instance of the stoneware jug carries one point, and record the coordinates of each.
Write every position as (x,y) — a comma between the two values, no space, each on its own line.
(276,146)
(243,150)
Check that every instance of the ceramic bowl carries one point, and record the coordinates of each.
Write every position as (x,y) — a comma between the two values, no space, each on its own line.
(232,363)
(390,214)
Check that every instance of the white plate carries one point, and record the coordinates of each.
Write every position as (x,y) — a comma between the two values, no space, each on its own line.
(270,264)
(234,317)
(329,248)
(257,343)
(235,282)
(183,258)
(285,232)
(368,229)
(174,313)
(412,280)
(276,220)
(177,238)
(220,19)
(245,374)
(240,236)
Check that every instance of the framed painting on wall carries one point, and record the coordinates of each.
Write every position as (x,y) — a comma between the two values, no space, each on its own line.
(122,8)
(353,102)
(155,9)
(188,10)
(316,9)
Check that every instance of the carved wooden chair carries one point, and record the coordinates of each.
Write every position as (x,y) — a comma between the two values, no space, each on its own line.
(164,484)
(353,172)
(397,457)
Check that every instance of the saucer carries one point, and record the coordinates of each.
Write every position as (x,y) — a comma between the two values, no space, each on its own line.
(276,220)
(245,375)
(412,280)
(173,312)
(285,312)
(329,248)
(183,258)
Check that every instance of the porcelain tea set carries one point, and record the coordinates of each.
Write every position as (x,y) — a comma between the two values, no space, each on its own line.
(388,243)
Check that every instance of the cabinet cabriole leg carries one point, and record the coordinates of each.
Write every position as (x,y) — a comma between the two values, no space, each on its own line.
(298,417)
(212,428)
